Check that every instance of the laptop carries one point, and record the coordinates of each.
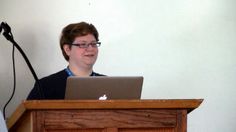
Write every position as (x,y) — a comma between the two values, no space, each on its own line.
(104,87)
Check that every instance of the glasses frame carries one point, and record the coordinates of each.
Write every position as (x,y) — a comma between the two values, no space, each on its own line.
(84,46)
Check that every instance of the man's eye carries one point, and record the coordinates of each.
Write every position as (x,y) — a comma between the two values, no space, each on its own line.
(82,45)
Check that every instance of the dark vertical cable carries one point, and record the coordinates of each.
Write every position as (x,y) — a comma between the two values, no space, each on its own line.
(14,81)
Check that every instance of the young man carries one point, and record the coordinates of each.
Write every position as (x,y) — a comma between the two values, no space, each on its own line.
(79,43)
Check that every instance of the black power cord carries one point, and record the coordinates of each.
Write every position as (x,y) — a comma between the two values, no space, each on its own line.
(14,81)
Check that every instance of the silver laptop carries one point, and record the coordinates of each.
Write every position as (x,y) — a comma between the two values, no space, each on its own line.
(104,87)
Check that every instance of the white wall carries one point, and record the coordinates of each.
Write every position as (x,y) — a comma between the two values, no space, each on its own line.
(183,48)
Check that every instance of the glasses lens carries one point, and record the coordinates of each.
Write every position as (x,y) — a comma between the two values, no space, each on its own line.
(98,44)
(83,45)
(95,44)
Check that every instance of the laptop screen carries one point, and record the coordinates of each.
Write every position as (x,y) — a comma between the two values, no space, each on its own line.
(104,87)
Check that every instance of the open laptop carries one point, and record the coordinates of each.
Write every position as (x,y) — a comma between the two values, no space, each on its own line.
(104,87)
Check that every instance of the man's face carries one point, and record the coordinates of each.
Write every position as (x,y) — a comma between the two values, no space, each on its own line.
(85,57)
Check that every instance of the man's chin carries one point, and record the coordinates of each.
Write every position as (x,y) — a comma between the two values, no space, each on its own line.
(90,64)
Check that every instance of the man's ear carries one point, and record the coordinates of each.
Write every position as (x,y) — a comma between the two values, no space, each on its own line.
(67,49)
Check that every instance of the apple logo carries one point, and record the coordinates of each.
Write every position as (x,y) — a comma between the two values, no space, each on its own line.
(104,97)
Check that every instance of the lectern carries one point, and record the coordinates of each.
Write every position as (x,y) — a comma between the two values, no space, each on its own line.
(165,115)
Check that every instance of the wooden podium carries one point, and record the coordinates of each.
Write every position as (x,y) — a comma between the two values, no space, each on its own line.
(166,115)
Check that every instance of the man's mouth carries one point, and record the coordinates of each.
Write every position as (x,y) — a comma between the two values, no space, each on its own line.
(89,55)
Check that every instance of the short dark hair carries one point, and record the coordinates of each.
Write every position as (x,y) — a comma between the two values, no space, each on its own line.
(71,31)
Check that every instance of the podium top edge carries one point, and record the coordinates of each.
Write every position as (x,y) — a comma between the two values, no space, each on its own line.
(113,104)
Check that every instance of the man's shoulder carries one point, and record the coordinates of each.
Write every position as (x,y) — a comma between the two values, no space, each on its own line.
(97,74)
(61,75)
(52,87)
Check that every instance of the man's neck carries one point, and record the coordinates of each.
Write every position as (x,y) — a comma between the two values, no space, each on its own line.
(81,71)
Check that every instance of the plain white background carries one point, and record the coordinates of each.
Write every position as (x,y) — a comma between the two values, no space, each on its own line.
(185,49)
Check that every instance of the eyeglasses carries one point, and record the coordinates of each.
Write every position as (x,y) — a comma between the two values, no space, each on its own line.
(84,45)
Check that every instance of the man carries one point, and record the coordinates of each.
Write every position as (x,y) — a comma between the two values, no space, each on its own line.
(79,43)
